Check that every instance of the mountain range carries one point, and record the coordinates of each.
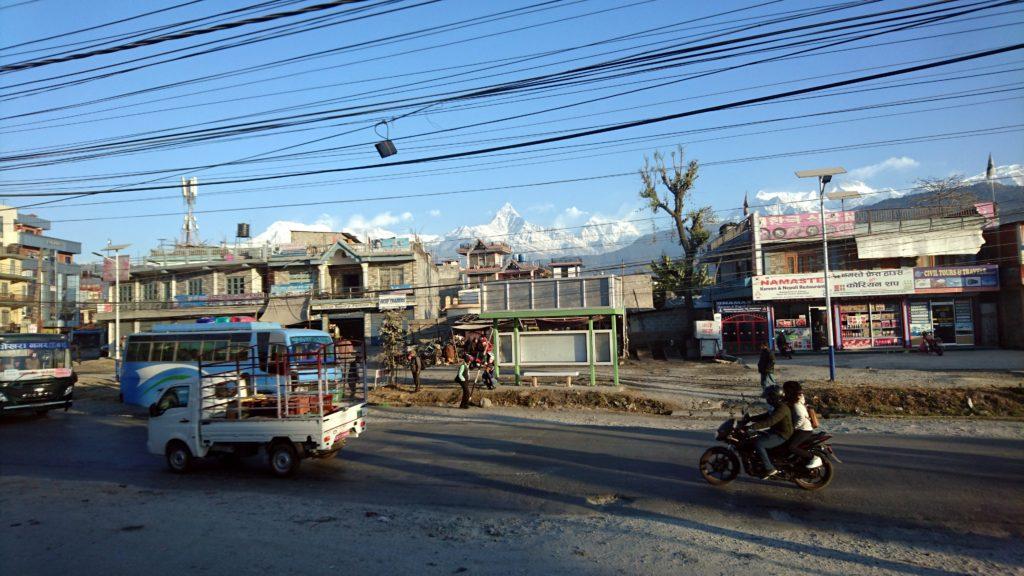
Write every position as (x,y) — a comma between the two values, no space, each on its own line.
(608,243)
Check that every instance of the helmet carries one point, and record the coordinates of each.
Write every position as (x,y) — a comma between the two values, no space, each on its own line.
(773,394)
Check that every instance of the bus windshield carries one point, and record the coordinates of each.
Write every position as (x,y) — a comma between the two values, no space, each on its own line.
(32,356)
(307,348)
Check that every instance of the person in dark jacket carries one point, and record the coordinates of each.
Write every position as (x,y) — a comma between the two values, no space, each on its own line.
(462,378)
(766,367)
(779,424)
(415,366)
(783,345)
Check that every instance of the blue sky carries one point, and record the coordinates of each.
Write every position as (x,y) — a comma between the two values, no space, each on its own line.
(380,73)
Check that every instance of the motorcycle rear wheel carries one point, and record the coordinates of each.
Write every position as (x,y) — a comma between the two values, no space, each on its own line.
(817,478)
(719,466)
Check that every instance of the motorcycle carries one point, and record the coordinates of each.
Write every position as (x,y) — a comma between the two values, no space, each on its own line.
(930,343)
(720,465)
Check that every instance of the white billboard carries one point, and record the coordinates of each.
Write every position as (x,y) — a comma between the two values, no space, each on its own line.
(842,283)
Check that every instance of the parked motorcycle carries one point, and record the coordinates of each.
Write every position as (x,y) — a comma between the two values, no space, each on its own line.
(930,343)
(721,464)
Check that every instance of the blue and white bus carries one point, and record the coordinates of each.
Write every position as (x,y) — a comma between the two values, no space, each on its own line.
(175,353)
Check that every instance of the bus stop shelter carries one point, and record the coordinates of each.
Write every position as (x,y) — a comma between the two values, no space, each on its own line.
(525,302)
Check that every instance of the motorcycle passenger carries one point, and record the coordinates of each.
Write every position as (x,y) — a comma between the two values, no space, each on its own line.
(802,426)
(779,424)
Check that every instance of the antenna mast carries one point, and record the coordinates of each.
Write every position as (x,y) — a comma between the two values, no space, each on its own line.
(190,228)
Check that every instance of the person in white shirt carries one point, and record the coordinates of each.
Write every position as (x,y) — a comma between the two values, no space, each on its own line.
(802,426)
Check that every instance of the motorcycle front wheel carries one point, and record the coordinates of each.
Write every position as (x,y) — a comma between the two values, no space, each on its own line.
(719,466)
(817,478)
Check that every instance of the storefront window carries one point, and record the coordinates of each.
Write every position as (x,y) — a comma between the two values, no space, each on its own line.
(877,324)
(952,321)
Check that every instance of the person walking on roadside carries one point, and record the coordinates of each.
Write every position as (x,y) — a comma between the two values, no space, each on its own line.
(353,377)
(462,379)
(766,366)
(415,366)
(783,345)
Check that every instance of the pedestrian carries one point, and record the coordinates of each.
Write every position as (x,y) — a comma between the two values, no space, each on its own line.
(487,370)
(766,366)
(783,345)
(353,377)
(415,366)
(462,379)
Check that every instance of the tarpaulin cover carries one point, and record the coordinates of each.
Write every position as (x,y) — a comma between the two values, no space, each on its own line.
(287,311)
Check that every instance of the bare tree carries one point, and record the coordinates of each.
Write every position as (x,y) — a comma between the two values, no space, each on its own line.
(691,223)
(944,191)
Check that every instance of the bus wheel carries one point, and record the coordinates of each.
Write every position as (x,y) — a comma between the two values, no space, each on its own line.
(179,457)
(284,459)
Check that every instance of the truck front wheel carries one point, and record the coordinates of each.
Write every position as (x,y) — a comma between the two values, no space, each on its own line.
(284,459)
(179,457)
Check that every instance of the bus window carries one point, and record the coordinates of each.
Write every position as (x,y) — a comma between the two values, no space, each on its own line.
(188,351)
(239,351)
(137,352)
(215,351)
(262,342)
(162,352)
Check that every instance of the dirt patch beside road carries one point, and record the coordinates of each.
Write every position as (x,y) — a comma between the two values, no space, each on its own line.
(991,402)
(539,398)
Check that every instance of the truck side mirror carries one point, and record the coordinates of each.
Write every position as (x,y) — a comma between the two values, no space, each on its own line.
(153,410)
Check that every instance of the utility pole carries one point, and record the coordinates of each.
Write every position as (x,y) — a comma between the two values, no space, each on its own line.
(824,176)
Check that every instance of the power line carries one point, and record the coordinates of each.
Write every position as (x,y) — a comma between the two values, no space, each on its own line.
(174,36)
(613,128)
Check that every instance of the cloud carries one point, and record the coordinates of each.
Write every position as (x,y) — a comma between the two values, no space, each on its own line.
(569,217)
(435,212)
(574,212)
(406,216)
(541,208)
(888,165)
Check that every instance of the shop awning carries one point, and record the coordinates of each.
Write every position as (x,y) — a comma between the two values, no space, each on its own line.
(287,310)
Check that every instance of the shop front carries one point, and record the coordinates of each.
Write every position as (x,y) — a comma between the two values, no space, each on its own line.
(946,302)
(868,307)
(871,324)
(745,326)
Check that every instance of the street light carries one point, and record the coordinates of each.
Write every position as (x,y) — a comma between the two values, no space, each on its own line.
(843,196)
(116,249)
(824,176)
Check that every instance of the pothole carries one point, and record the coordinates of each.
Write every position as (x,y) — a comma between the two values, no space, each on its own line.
(607,499)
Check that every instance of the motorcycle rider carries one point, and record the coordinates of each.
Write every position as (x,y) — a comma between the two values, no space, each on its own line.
(779,424)
(802,427)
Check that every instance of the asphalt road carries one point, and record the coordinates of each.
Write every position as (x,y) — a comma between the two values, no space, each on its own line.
(486,463)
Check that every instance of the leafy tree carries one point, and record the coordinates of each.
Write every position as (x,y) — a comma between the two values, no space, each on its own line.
(392,339)
(691,223)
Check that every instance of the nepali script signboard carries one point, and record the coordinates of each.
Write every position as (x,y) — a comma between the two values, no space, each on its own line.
(843,284)
(804,226)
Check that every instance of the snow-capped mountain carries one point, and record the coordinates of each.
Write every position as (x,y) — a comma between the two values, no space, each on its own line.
(1009,174)
(789,202)
(596,236)
(280,232)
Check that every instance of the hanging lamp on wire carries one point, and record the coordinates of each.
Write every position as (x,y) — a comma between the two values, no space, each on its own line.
(385,147)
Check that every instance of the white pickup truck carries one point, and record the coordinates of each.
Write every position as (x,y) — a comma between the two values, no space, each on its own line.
(219,416)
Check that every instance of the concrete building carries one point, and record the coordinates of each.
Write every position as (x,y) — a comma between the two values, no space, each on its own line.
(52,300)
(484,261)
(15,285)
(894,274)
(346,283)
